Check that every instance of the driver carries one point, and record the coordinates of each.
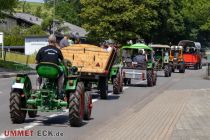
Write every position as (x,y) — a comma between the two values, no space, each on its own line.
(140,58)
(52,54)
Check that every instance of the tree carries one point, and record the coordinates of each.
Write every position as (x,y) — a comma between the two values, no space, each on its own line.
(7,5)
(119,20)
(196,18)
(38,11)
(67,10)
(170,22)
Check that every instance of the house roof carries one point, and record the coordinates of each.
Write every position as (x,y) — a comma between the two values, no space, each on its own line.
(28,18)
(75,30)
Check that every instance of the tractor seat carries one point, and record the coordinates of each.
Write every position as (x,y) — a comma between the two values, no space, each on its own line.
(48,70)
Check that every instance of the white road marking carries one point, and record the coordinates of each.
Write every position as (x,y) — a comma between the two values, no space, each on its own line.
(31,125)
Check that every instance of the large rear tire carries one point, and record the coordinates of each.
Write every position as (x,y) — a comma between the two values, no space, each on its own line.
(166,71)
(149,78)
(103,87)
(76,106)
(87,106)
(16,103)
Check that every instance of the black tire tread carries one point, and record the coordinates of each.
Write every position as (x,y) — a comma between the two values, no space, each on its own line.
(74,106)
(16,114)
(87,111)
(149,78)
(103,87)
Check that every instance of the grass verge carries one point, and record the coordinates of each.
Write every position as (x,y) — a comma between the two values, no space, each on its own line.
(14,66)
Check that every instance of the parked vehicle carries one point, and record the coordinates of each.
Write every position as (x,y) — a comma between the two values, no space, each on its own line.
(48,99)
(138,70)
(176,59)
(192,54)
(161,57)
(96,67)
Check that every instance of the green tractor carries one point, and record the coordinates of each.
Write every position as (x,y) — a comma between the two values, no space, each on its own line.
(47,98)
(138,70)
(161,57)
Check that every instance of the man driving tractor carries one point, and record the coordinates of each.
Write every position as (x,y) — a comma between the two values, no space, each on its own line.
(51,54)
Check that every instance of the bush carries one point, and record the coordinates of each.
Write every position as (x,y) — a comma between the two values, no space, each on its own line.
(16,37)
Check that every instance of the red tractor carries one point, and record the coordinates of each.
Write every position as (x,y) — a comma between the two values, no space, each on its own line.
(192,54)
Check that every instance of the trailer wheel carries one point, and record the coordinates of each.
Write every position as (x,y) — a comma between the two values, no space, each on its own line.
(117,84)
(16,103)
(103,87)
(87,106)
(166,71)
(32,114)
(149,78)
(76,106)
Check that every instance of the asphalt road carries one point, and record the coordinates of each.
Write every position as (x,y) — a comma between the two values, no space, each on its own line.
(103,110)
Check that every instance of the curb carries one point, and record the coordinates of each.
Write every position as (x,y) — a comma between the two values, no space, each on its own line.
(15,74)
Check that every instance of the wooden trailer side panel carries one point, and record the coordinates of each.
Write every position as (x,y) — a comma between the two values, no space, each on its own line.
(93,59)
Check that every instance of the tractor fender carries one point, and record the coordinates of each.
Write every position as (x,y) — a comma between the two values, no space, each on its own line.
(22,83)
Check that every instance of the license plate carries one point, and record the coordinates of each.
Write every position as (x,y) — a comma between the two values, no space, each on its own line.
(18,85)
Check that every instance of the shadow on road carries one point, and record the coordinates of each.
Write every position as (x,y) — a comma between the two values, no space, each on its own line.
(137,85)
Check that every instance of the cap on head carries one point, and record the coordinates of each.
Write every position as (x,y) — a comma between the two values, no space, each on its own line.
(52,39)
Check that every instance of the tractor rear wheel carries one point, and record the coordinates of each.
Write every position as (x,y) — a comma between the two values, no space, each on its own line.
(149,78)
(166,71)
(32,113)
(76,106)
(87,106)
(16,103)
(103,87)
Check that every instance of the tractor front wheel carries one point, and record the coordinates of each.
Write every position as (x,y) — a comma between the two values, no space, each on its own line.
(76,106)
(16,103)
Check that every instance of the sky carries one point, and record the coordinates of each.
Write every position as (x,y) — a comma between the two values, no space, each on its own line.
(33,0)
